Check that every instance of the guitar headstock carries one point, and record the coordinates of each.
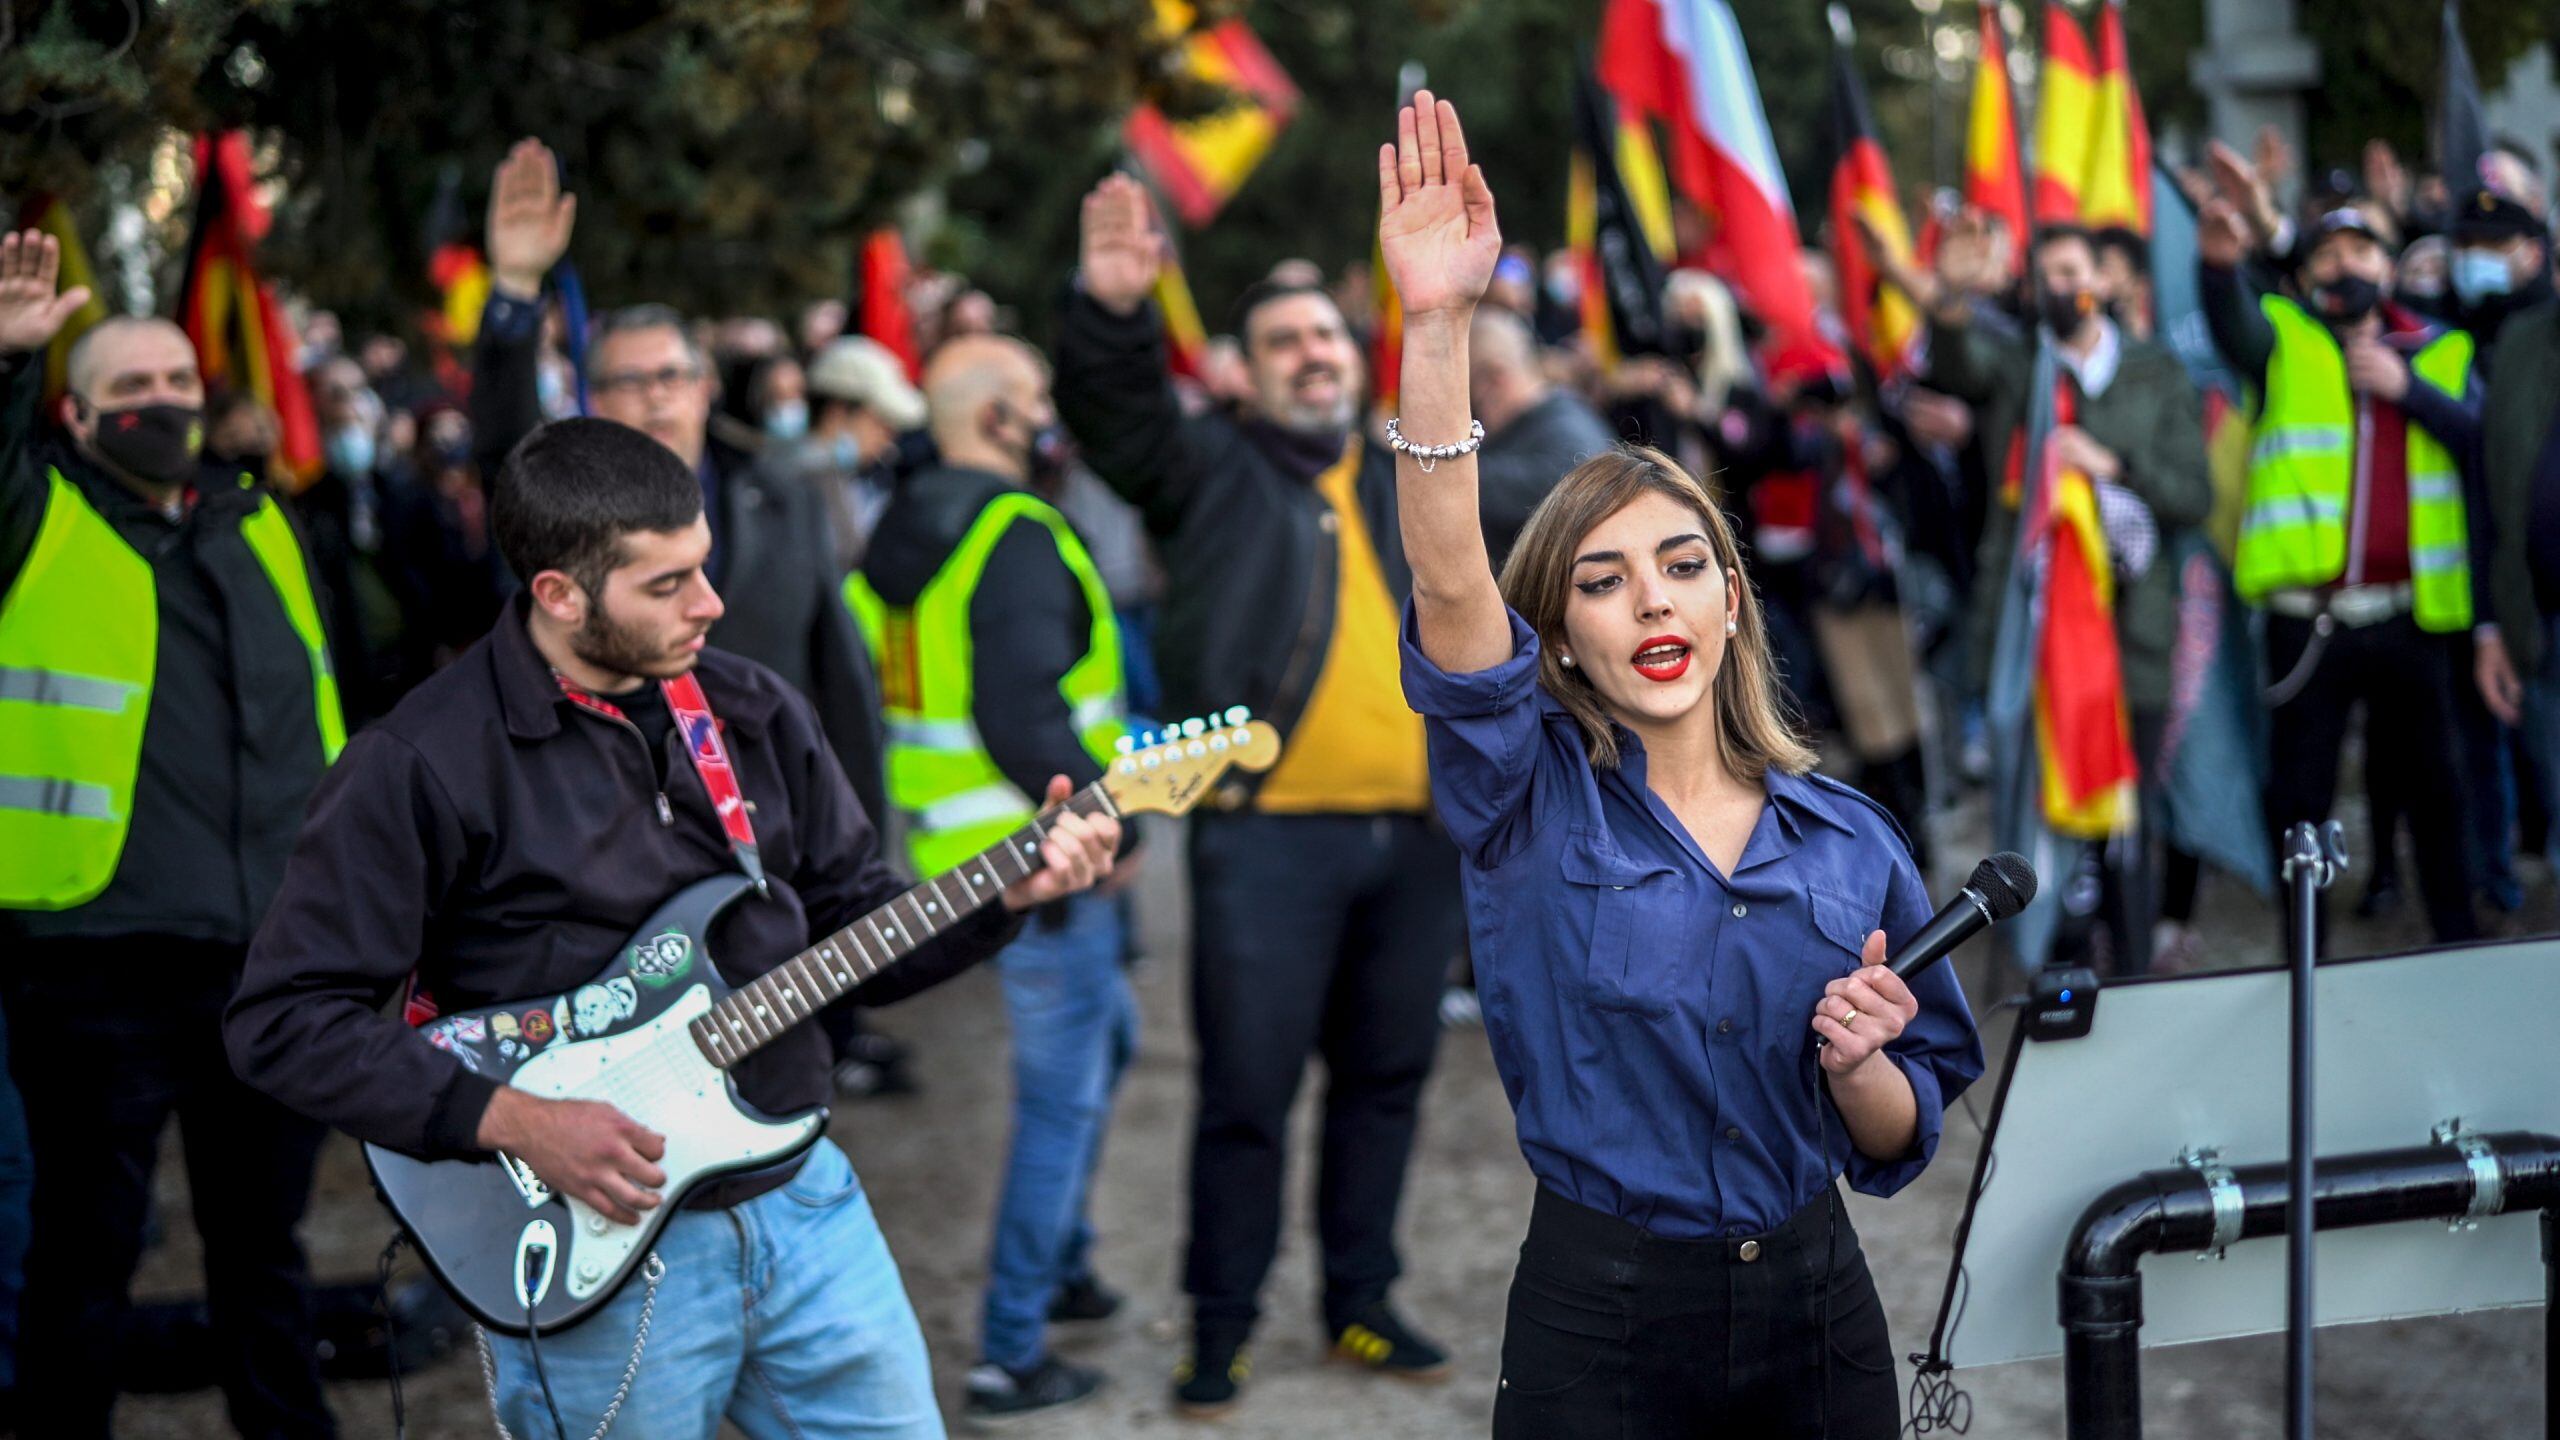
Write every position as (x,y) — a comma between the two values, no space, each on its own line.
(1168,770)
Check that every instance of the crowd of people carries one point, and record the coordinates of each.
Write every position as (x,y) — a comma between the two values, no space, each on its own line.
(971,584)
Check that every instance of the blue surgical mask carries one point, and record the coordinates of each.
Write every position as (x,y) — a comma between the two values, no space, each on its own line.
(788,420)
(351,450)
(2479,274)
(845,452)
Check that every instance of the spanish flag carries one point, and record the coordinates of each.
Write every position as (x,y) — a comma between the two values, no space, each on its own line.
(1994,182)
(1185,338)
(2115,189)
(2084,733)
(2066,109)
(238,329)
(1881,319)
(1199,164)
(880,298)
(48,213)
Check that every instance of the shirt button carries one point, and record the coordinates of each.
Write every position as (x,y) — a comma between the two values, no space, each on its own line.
(1724,1027)
(1750,1251)
(1733,1132)
(1741,910)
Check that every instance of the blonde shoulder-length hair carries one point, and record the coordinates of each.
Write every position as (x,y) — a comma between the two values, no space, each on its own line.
(1754,730)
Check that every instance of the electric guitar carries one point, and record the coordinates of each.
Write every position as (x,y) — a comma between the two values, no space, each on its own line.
(656,1030)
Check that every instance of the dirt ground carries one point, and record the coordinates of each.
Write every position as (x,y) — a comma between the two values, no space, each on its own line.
(932,1165)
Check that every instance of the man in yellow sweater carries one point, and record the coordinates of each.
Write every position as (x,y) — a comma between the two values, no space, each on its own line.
(1325,900)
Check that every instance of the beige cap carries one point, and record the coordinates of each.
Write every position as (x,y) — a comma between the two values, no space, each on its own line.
(862,370)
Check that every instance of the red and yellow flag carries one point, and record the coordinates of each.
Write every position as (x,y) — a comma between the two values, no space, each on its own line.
(2084,733)
(1993,182)
(2115,187)
(1185,338)
(2066,110)
(239,331)
(48,213)
(1199,164)
(1881,319)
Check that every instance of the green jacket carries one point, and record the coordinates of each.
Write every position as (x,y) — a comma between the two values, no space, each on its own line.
(2151,417)
(2520,408)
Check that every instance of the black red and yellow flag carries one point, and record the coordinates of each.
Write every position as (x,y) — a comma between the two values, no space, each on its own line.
(1611,232)
(1881,319)
(239,330)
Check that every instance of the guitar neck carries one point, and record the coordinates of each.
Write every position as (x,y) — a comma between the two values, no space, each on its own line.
(759,1012)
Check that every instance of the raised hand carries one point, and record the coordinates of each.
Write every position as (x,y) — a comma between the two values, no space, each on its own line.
(529,219)
(1898,267)
(1435,213)
(2246,186)
(1970,256)
(1122,251)
(2222,237)
(30,313)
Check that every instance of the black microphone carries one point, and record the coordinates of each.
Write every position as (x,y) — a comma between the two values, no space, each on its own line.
(2001,887)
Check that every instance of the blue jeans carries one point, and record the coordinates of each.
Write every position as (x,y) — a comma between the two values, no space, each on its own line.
(17,1187)
(1075,1024)
(2542,729)
(784,1314)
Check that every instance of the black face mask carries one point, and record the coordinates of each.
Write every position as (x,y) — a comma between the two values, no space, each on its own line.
(2346,300)
(156,444)
(2065,311)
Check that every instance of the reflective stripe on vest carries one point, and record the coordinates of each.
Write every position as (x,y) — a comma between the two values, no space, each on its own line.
(2293,534)
(79,643)
(944,784)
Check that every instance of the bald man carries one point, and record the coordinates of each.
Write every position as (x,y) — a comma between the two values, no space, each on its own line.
(1000,666)
(166,706)
(1533,431)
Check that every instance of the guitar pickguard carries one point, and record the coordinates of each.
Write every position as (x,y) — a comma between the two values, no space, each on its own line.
(655,1074)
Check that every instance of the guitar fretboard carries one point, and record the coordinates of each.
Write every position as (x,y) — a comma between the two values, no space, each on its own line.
(758,1012)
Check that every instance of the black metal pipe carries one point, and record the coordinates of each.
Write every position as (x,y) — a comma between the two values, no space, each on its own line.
(2165,1212)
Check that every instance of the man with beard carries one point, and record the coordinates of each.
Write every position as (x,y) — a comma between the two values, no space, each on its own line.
(2355,537)
(769,540)
(1325,904)
(509,824)
(166,706)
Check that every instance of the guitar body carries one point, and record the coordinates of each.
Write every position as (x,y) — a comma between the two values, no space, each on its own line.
(518,1256)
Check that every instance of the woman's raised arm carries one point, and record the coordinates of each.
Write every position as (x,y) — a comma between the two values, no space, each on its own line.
(1437,234)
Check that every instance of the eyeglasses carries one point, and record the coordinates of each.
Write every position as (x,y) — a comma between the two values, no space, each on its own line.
(666,377)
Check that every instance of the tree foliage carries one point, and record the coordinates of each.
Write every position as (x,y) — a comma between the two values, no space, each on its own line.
(2382,62)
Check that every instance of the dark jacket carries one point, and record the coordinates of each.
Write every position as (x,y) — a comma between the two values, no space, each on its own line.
(771,553)
(1028,623)
(498,842)
(1248,545)
(2150,416)
(231,747)
(1524,459)
(2514,430)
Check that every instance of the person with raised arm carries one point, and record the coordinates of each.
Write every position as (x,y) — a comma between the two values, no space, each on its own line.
(1679,929)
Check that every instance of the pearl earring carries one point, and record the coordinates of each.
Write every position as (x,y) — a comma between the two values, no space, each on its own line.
(1732,627)
(1568,661)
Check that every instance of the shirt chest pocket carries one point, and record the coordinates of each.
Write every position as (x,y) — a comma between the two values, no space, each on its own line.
(1831,947)
(1638,925)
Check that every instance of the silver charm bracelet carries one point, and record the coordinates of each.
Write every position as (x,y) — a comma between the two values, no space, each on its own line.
(1430,456)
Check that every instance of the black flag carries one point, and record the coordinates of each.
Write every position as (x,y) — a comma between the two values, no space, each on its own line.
(2462,123)
(1620,263)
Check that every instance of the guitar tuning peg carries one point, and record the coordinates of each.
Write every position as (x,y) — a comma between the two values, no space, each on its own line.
(1191,729)
(1127,743)
(1237,715)
(1148,740)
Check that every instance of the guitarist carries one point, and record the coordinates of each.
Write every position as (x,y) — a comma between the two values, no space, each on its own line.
(504,829)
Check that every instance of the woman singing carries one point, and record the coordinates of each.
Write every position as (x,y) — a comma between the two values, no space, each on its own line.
(1679,930)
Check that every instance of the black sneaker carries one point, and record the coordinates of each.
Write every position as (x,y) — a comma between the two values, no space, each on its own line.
(1380,1340)
(1081,1300)
(998,1394)
(2382,895)
(1207,1382)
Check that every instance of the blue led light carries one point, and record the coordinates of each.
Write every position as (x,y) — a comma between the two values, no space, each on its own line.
(2066,997)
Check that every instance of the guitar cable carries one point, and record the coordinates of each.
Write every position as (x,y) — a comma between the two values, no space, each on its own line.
(391,1332)
(533,1342)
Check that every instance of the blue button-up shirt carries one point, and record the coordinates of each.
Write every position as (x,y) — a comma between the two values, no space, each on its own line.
(1650,1016)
